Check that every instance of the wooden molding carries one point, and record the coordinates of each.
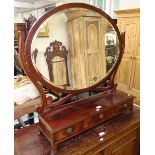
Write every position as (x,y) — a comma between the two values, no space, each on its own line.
(128,13)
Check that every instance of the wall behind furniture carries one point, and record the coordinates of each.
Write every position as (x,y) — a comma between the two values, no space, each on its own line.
(129,4)
(57,31)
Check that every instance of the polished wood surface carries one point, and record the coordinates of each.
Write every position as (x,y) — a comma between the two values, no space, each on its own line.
(66,115)
(121,138)
(73,118)
(128,75)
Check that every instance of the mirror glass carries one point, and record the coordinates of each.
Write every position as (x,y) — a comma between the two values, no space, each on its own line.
(75,48)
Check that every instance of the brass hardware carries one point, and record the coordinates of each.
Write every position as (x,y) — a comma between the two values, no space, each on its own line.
(101,116)
(95,78)
(69,130)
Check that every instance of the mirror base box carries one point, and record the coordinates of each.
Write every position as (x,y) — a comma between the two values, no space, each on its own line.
(66,121)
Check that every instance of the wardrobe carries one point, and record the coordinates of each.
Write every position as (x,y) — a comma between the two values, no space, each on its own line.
(87,47)
(128,74)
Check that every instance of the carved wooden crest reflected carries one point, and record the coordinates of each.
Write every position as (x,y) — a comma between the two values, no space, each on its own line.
(56,58)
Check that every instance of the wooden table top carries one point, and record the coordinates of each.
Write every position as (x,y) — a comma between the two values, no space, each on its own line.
(29,140)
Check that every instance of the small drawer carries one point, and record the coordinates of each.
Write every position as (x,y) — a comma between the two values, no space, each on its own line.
(64,134)
(110,113)
(94,120)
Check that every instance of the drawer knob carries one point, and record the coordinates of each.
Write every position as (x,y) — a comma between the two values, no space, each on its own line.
(101,116)
(95,78)
(125,105)
(69,130)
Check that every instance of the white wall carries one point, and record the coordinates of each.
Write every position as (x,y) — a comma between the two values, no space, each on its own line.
(129,4)
(57,31)
(71,1)
(18,18)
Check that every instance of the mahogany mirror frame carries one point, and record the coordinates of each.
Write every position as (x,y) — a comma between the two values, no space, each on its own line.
(27,49)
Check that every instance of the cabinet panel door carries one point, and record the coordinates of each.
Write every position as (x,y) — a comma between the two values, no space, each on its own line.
(135,78)
(124,74)
(137,45)
(126,145)
(125,149)
(128,25)
(94,50)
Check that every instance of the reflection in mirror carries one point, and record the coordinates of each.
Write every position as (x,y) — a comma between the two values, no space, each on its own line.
(75,48)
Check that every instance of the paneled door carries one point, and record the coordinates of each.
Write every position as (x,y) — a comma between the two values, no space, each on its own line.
(94,50)
(135,78)
(125,69)
(128,75)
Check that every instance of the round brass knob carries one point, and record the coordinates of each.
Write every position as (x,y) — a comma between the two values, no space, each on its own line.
(95,78)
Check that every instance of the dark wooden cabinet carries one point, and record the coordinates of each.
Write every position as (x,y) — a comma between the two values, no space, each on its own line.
(127,144)
(18,27)
(62,123)
(121,138)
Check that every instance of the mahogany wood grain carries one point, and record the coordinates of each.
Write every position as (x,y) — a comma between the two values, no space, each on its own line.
(68,120)
(83,109)
(118,130)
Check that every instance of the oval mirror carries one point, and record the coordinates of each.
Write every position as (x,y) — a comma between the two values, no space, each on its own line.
(73,47)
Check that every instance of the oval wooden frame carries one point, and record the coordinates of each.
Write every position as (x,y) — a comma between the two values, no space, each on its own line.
(36,25)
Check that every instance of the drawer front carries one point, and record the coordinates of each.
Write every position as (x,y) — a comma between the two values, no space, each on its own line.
(94,120)
(124,106)
(68,132)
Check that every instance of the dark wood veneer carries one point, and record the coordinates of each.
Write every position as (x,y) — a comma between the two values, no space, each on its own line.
(69,120)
